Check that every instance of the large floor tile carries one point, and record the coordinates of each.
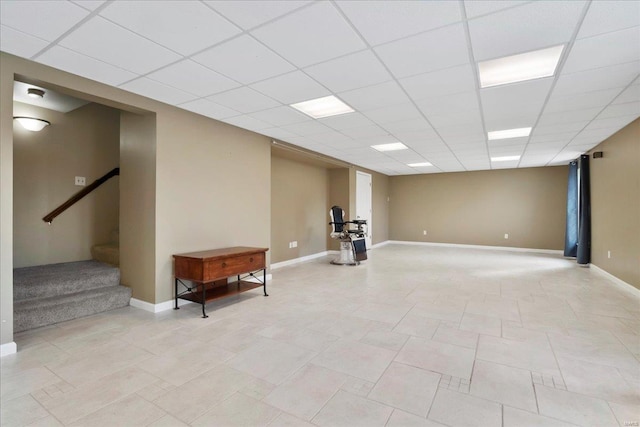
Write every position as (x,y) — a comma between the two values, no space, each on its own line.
(348,410)
(574,408)
(21,411)
(238,410)
(504,384)
(25,382)
(457,409)
(439,357)
(131,410)
(271,360)
(304,394)
(354,358)
(518,354)
(416,325)
(406,387)
(519,418)
(382,312)
(404,419)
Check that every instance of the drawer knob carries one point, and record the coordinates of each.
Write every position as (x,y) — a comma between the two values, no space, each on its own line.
(224,264)
(251,259)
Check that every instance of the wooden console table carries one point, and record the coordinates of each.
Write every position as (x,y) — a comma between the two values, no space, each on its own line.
(209,271)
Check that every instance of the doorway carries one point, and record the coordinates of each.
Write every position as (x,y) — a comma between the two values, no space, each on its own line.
(363,202)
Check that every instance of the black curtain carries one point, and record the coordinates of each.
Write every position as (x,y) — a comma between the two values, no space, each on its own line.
(584,221)
(571,232)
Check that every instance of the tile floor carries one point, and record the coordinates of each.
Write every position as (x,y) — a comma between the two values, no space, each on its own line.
(415,336)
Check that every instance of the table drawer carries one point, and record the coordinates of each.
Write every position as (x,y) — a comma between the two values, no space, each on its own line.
(234,265)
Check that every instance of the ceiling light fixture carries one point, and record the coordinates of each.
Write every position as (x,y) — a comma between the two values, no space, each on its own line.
(505,158)
(508,133)
(390,147)
(35,93)
(419,165)
(518,68)
(323,107)
(32,124)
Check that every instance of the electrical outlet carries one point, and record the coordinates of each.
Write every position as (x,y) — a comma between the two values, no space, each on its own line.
(506,235)
(424,232)
(294,244)
(608,254)
(81,181)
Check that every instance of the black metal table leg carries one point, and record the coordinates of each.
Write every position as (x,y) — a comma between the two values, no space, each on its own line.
(175,282)
(264,282)
(204,300)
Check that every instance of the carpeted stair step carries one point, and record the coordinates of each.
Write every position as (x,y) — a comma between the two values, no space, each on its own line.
(108,253)
(66,278)
(33,313)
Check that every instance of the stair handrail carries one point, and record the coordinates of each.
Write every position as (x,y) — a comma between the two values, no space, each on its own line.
(80,194)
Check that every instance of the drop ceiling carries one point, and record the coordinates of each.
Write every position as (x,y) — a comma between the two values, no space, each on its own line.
(409,69)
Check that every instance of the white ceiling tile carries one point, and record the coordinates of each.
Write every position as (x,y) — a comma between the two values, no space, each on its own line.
(438,49)
(278,133)
(76,63)
(593,99)
(372,18)
(364,131)
(483,7)
(20,44)
(604,50)
(593,135)
(239,59)
(557,137)
(244,99)
(609,15)
(309,128)
(376,140)
(346,121)
(154,90)
(617,110)
(449,104)
(559,128)
(469,131)
(373,97)
(506,150)
(281,116)
(251,13)
(393,113)
(544,147)
(417,136)
(209,109)
(511,142)
(34,17)
(201,81)
(461,118)
(311,35)
(110,43)
(532,26)
(90,4)
(291,88)
(630,94)
(350,72)
(611,122)
(413,125)
(597,79)
(442,82)
(568,116)
(247,122)
(185,27)
(522,100)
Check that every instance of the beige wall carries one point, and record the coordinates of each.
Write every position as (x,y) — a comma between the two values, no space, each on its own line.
(299,210)
(615,205)
(380,207)
(339,195)
(478,208)
(138,204)
(83,142)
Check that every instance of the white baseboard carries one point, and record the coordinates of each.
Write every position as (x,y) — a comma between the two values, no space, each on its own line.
(627,287)
(168,305)
(8,348)
(379,244)
(492,248)
(299,260)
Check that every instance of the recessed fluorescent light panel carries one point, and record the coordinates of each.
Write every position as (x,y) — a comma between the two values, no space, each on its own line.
(419,165)
(323,107)
(390,147)
(505,158)
(519,68)
(508,133)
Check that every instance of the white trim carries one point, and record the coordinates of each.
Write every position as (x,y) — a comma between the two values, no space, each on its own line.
(379,244)
(8,348)
(491,248)
(168,305)
(627,287)
(298,260)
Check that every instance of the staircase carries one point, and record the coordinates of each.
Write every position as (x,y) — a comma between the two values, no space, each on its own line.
(108,252)
(48,294)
